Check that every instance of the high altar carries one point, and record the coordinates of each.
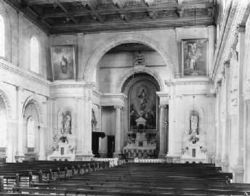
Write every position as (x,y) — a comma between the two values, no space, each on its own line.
(142,141)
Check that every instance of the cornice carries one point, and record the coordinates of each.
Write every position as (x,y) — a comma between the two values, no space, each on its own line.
(7,66)
(236,17)
(69,84)
(162,94)
(114,95)
(192,81)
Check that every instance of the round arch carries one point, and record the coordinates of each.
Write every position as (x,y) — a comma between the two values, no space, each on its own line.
(92,63)
(137,71)
(31,100)
(6,102)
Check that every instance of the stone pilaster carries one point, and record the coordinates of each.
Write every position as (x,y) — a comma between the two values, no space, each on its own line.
(42,133)
(163,130)
(20,126)
(117,130)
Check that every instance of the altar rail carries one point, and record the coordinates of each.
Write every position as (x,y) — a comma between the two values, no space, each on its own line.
(112,161)
(136,160)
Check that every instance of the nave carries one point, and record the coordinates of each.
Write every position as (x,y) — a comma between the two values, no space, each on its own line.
(99,178)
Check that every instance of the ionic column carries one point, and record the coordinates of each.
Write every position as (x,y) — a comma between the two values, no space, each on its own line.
(117,130)
(162,152)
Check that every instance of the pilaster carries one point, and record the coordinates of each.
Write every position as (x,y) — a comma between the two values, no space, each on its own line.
(117,129)
(163,130)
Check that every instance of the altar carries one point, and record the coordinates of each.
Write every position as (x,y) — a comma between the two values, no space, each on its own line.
(140,145)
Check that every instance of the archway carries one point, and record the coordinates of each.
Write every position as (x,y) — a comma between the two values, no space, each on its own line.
(108,44)
(31,130)
(3,130)
(118,70)
(141,116)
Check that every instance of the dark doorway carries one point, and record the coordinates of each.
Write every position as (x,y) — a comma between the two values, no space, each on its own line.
(111,146)
(95,142)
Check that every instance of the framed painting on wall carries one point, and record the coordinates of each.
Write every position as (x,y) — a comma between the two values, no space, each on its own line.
(63,62)
(194,57)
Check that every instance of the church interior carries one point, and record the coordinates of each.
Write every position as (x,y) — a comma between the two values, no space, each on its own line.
(148,85)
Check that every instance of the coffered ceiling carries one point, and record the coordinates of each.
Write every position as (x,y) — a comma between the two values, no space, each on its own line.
(67,16)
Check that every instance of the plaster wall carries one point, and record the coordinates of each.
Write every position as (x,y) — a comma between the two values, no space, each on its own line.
(18,33)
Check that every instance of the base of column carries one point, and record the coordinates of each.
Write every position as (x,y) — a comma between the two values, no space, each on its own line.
(162,155)
(238,174)
(84,157)
(173,158)
(117,155)
(218,162)
(19,158)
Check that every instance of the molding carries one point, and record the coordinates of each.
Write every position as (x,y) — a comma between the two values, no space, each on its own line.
(114,95)
(112,99)
(130,66)
(193,81)
(70,84)
(7,66)
(162,94)
(235,17)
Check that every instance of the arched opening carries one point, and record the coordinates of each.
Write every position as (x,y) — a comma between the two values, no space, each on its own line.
(34,54)
(2,37)
(31,131)
(3,130)
(92,64)
(128,77)
(142,123)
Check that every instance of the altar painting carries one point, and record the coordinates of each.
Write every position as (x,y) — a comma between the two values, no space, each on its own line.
(142,106)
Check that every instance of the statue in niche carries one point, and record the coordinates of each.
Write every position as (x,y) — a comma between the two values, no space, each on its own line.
(66,123)
(194,128)
(93,121)
(139,59)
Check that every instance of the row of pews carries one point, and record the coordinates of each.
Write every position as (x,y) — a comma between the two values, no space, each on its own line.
(23,175)
(131,179)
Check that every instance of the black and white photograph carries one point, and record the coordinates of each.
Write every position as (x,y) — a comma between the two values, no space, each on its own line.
(125,97)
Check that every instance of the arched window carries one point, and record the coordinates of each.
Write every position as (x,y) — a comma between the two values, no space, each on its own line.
(34,54)
(3,127)
(30,133)
(2,37)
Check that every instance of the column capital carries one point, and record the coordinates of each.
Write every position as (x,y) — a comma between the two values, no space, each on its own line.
(118,107)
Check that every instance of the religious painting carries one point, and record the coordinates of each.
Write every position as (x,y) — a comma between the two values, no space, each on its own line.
(142,106)
(63,62)
(194,57)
